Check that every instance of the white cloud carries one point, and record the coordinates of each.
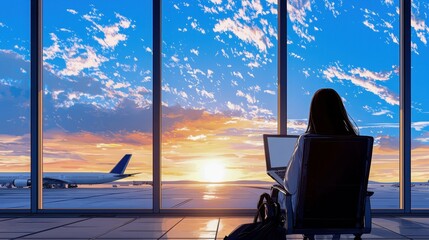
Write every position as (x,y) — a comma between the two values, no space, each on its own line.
(254,64)
(147,79)
(75,64)
(175,58)
(198,137)
(234,107)
(394,38)
(383,112)
(387,24)
(388,2)
(414,48)
(421,36)
(194,51)
(248,97)
(423,140)
(257,111)
(303,33)
(112,37)
(196,26)
(256,5)
(238,74)
(297,12)
(362,72)
(217,2)
(121,85)
(224,53)
(209,9)
(331,7)
(292,54)
(65,30)
(306,73)
(166,88)
(72,11)
(205,93)
(271,92)
(370,25)
(252,35)
(418,126)
(209,73)
(421,28)
(240,93)
(2,24)
(52,51)
(297,125)
(367,83)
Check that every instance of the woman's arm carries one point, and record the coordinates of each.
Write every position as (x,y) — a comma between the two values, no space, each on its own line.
(293,170)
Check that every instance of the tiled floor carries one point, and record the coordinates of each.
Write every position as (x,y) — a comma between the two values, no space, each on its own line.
(177,228)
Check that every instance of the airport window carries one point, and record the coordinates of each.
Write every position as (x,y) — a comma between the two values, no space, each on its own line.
(353,47)
(14,104)
(219,95)
(97,104)
(419,105)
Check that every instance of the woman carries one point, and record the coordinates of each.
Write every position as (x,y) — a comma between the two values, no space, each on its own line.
(327,117)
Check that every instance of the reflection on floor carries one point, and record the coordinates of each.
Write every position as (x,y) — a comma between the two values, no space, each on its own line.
(183,196)
(178,228)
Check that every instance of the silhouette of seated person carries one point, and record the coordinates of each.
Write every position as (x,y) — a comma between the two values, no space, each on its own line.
(336,171)
(327,116)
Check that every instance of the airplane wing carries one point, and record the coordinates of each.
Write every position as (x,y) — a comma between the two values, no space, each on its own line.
(127,175)
(48,180)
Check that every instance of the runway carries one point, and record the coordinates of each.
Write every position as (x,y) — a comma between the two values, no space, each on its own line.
(182,196)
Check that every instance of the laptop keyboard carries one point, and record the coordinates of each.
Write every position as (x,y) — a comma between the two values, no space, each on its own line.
(281,173)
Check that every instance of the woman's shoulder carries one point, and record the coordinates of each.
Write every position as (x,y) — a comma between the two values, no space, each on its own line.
(308,135)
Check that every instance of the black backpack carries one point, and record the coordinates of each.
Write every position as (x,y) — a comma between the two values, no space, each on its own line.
(267,224)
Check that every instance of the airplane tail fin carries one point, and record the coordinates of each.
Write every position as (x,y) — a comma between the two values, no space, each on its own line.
(121,165)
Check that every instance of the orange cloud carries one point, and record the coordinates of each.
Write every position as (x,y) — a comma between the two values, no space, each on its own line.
(233,143)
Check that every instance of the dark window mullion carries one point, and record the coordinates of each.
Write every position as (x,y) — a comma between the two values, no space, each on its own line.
(405,106)
(157,107)
(36,105)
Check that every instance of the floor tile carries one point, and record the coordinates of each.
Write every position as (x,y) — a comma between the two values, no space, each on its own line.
(419,220)
(120,234)
(180,228)
(227,225)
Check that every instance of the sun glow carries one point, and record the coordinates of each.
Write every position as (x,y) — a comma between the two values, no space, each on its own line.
(213,171)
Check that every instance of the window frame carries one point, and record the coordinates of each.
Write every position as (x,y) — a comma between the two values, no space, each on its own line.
(37,120)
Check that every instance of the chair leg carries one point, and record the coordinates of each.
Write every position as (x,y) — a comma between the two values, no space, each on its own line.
(358,236)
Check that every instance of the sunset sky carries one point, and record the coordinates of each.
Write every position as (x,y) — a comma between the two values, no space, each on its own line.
(219,85)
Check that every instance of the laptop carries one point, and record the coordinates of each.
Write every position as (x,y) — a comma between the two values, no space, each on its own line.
(278,151)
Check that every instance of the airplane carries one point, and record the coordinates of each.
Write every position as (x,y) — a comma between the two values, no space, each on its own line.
(68,179)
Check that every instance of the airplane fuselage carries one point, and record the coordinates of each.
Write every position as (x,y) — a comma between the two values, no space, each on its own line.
(72,179)
(20,179)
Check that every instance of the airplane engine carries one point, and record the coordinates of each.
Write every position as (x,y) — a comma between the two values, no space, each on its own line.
(19,183)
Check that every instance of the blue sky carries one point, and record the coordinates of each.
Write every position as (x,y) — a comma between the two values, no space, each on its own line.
(219,62)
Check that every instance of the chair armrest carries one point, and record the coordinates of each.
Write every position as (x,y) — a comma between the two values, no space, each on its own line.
(368,217)
(275,190)
(281,189)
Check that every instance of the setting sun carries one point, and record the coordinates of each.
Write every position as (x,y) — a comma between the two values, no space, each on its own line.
(213,171)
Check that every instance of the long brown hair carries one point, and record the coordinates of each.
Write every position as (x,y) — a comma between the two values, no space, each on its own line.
(328,115)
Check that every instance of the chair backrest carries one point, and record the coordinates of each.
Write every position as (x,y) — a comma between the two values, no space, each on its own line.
(334,180)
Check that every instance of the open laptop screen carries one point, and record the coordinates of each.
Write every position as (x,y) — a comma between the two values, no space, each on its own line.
(279,149)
